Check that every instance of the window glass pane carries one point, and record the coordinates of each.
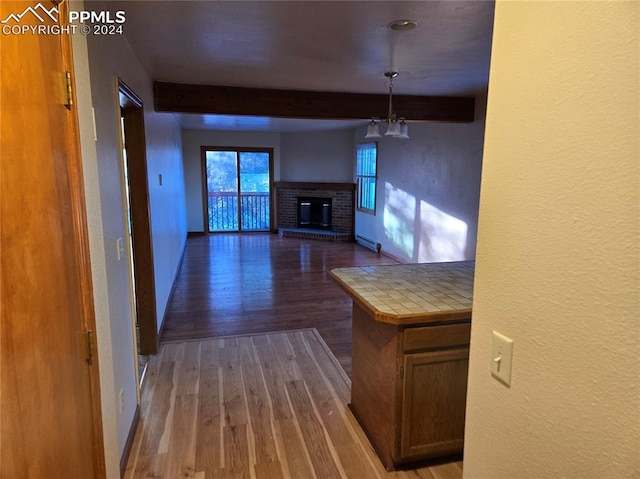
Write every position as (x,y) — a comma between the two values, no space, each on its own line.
(371,193)
(366,165)
(366,156)
(237,189)
(254,172)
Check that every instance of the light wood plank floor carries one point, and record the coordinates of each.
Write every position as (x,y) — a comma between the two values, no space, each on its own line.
(256,406)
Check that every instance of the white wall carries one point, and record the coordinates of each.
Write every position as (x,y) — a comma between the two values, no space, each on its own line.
(98,257)
(428,191)
(167,201)
(319,156)
(97,68)
(192,140)
(558,246)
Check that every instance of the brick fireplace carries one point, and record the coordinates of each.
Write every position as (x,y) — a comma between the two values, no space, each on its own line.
(342,196)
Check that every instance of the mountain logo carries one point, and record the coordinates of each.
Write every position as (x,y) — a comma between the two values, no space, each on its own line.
(40,13)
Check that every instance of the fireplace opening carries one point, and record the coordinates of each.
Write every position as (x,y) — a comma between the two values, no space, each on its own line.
(314,212)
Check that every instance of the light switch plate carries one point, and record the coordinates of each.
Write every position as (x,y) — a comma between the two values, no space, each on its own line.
(501,355)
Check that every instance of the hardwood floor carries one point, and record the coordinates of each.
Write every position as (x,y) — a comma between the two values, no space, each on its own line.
(232,284)
(259,406)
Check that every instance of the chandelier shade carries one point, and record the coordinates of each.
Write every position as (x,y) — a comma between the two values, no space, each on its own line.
(393,129)
(372,130)
(404,131)
(396,126)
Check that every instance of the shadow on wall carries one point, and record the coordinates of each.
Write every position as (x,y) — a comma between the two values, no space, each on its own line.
(421,230)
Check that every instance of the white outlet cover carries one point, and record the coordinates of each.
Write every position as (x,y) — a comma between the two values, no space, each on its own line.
(501,356)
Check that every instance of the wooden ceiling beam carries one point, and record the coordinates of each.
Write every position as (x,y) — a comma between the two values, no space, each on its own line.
(227,100)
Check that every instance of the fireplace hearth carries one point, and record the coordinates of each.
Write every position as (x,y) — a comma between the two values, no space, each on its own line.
(314,212)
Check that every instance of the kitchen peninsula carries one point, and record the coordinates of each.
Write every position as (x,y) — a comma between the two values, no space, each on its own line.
(411,329)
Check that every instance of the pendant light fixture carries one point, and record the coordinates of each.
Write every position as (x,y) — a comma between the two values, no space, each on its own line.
(396,126)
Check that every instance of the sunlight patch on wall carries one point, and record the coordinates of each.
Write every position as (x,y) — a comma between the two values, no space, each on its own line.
(442,237)
(424,234)
(399,218)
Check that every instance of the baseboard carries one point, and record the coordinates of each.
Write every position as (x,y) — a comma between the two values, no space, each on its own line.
(129,443)
(173,288)
(395,258)
(196,233)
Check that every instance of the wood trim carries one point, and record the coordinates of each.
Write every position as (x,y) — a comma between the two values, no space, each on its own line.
(142,240)
(432,337)
(204,190)
(272,192)
(216,99)
(82,250)
(303,185)
(128,98)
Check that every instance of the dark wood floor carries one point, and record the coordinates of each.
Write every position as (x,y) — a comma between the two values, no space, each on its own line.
(233,284)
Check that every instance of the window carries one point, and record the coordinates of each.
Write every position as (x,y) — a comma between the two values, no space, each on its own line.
(236,188)
(366,159)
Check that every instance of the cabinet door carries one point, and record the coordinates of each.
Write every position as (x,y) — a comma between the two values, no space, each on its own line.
(434,399)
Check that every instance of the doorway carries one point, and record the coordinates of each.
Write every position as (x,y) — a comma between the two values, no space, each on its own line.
(139,245)
(237,185)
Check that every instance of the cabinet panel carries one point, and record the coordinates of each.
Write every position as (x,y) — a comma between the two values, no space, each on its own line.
(376,385)
(435,389)
(430,337)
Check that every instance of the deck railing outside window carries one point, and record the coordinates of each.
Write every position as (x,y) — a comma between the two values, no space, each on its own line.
(223,211)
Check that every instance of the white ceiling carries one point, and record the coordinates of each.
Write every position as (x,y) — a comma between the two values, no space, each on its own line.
(342,46)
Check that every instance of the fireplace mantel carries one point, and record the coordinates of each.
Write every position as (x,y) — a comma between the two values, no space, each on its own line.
(304,185)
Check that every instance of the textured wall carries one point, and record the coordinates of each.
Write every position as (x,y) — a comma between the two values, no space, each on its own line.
(558,246)
(319,156)
(428,191)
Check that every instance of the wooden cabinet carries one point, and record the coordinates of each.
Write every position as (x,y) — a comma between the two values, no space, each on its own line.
(409,386)
(411,330)
(433,403)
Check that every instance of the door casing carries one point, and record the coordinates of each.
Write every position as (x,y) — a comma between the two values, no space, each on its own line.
(131,109)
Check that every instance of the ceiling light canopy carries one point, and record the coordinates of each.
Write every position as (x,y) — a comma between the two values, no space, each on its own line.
(396,126)
(402,25)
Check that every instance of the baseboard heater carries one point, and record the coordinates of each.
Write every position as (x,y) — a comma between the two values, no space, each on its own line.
(368,243)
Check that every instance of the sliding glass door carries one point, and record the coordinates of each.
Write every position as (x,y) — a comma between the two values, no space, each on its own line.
(237,185)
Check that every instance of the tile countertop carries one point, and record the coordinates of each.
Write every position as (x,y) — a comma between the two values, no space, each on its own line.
(411,293)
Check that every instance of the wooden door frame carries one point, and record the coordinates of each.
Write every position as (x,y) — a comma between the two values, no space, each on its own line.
(82,250)
(132,109)
(205,189)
